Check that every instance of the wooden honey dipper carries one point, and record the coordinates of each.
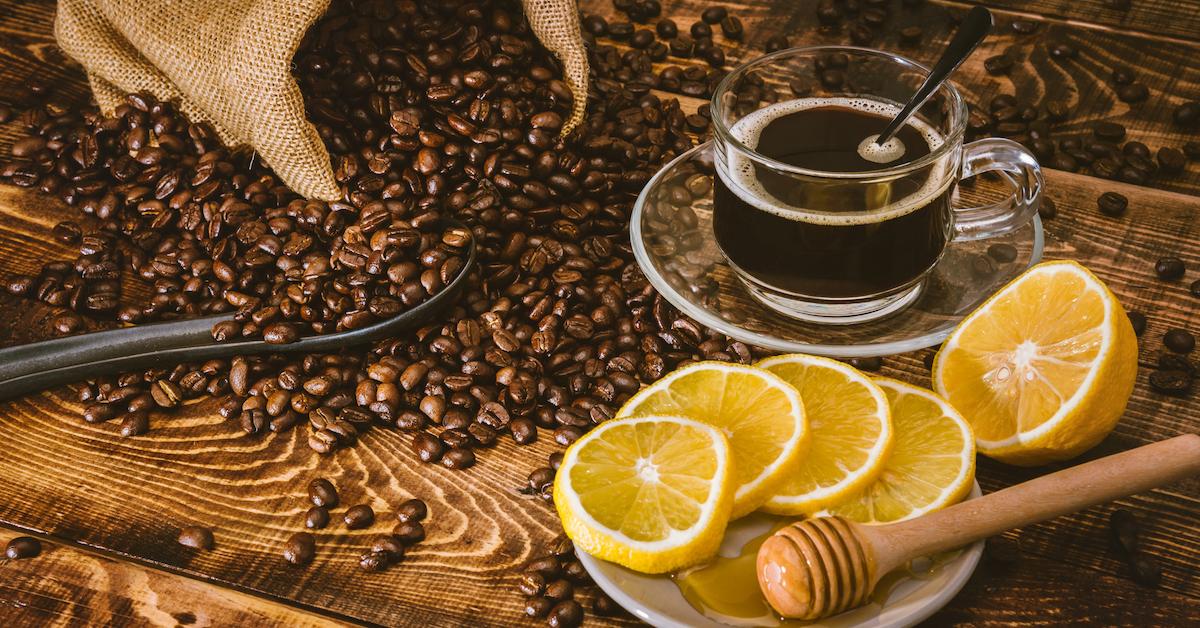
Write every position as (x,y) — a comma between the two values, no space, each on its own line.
(822,566)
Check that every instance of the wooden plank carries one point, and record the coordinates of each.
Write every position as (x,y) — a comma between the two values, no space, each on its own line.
(1028,590)
(66,586)
(1150,18)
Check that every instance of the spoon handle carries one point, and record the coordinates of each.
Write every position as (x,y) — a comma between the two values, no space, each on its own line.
(975,27)
(1037,500)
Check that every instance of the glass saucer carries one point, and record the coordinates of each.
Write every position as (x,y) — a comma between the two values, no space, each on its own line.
(673,241)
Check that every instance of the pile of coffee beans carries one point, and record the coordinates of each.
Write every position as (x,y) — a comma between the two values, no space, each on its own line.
(554,583)
(431,111)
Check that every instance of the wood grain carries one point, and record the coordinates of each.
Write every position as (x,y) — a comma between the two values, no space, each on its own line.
(86,485)
(67,586)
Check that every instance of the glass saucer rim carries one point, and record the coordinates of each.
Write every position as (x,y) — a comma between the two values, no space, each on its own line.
(704,317)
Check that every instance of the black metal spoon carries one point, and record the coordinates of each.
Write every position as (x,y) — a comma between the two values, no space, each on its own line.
(975,27)
(40,365)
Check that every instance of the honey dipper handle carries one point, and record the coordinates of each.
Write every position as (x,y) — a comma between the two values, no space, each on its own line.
(1039,499)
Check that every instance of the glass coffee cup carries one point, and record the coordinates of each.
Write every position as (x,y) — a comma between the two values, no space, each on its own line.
(819,223)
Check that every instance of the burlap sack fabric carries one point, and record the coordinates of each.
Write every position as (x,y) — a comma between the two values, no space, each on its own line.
(228,63)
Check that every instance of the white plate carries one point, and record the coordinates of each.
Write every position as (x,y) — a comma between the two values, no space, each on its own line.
(657,600)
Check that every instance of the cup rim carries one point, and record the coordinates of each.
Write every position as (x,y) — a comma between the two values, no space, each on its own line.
(951,141)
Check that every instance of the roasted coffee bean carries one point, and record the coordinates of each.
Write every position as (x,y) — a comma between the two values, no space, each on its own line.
(567,614)
(1171,382)
(666,28)
(1146,571)
(458,459)
(1109,131)
(866,364)
(316,518)
(701,31)
(1112,204)
(1125,530)
(300,549)
(196,537)
(1169,268)
(359,517)
(1132,93)
(777,43)
(559,590)
(374,561)
(1024,27)
(388,545)
(166,394)
(67,323)
(531,583)
(322,493)
(999,64)
(1179,340)
(1187,114)
(428,447)
(538,607)
(1138,320)
(409,532)
(713,15)
(1003,253)
(67,232)
(1063,51)
(23,547)
(732,28)
(604,606)
(595,25)
(412,510)
(135,423)
(1048,209)
(1171,161)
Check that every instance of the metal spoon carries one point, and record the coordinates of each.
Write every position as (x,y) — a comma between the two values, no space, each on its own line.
(40,365)
(974,28)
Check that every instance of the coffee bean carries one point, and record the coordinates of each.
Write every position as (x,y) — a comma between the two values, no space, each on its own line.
(22,547)
(409,532)
(538,607)
(67,232)
(1171,161)
(1048,210)
(559,590)
(428,447)
(1125,530)
(67,323)
(568,614)
(316,518)
(531,583)
(1112,204)
(1179,340)
(1146,571)
(1024,27)
(1169,268)
(1003,253)
(300,549)
(373,561)
(1109,131)
(458,459)
(280,334)
(1171,382)
(359,517)
(701,31)
(866,364)
(732,28)
(1138,320)
(322,493)
(166,394)
(713,15)
(999,64)
(777,43)
(412,510)
(595,25)
(1133,93)
(196,537)
(1187,114)
(389,546)
(1063,51)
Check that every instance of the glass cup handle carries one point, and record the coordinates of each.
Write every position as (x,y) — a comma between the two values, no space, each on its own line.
(1015,163)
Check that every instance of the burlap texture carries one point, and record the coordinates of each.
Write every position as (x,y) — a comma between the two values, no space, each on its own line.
(228,63)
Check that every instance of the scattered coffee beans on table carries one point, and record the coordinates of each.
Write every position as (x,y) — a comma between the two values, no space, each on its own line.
(23,547)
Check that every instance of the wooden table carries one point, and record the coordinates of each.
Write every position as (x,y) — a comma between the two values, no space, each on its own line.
(111,507)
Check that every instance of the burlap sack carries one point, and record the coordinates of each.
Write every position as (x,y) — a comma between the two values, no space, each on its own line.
(228,63)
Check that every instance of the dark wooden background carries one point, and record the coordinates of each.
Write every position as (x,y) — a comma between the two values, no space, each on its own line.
(111,507)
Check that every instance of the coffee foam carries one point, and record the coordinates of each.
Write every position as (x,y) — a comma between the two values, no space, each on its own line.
(871,150)
(739,174)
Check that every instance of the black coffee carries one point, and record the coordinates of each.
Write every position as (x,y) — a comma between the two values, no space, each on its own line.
(822,238)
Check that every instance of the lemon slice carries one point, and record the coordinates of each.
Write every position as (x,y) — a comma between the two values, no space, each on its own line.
(932,463)
(1044,368)
(760,414)
(851,432)
(651,493)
